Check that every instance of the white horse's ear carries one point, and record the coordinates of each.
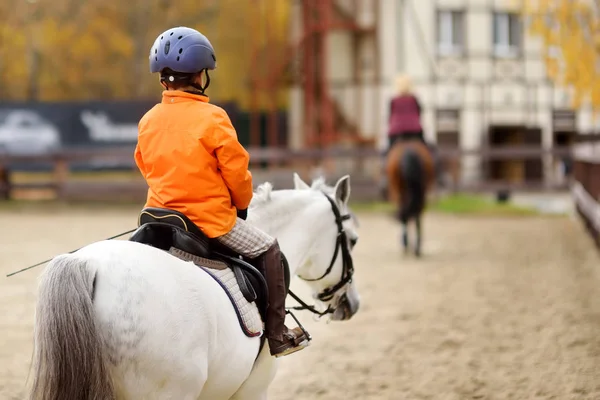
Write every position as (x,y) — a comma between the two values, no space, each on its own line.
(299,184)
(342,189)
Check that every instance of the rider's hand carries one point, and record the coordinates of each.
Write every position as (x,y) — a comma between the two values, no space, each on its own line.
(243,214)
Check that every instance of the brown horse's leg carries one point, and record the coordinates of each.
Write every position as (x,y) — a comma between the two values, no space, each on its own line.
(418,242)
(405,236)
(393,185)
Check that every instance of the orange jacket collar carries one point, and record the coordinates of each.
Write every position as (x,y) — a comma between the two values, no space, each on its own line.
(176,96)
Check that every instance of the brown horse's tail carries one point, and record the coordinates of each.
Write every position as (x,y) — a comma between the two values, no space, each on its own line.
(411,169)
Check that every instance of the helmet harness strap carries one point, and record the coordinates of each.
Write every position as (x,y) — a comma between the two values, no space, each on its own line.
(188,79)
(202,88)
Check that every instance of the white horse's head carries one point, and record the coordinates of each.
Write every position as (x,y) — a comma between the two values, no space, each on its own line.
(329,268)
(317,234)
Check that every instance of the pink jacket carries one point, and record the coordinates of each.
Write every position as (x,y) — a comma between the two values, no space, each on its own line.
(405,115)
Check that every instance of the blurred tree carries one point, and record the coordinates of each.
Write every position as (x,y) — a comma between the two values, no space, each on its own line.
(148,18)
(67,49)
(570,32)
(250,38)
(268,51)
(98,49)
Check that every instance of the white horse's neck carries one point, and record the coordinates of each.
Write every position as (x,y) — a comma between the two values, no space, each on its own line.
(297,218)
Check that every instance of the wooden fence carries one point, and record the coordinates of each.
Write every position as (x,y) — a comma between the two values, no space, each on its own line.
(586,185)
(280,161)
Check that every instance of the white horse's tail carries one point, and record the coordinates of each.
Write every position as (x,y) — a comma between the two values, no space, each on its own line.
(69,360)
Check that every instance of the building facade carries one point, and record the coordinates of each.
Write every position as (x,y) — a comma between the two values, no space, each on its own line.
(480,78)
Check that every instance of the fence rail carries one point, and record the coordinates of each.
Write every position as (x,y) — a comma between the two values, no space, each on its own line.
(586,186)
(60,163)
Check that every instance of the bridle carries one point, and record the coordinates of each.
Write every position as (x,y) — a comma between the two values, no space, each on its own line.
(347,265)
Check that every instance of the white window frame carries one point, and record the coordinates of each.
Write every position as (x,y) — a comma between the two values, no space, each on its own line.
(502,35)
(449,44)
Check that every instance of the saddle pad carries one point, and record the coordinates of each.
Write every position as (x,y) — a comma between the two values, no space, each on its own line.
(247,313)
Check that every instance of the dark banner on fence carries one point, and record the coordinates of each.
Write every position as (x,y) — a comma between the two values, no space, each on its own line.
(46,125)
(40,128)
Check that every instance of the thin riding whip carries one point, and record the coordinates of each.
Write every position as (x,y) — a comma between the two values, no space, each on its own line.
(72,251)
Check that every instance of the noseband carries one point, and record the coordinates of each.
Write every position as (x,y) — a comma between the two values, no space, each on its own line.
(347,265)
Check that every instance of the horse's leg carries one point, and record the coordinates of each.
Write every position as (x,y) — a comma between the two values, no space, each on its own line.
(418,241)
(256,385)
(405,236)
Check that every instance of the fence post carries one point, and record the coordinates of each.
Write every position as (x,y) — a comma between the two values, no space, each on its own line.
(5,185)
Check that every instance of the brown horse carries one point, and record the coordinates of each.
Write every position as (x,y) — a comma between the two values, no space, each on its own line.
(410,174)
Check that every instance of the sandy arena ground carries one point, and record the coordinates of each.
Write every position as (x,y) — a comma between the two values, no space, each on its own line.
(497,309)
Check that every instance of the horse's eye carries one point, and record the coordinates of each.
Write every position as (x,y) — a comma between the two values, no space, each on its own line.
(353,242)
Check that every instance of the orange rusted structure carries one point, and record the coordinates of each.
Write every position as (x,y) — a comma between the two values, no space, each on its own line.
(304,63)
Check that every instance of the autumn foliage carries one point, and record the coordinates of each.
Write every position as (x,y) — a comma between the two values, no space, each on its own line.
(98,49)
(570,32)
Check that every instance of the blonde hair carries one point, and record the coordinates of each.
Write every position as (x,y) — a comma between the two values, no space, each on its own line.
(403,84)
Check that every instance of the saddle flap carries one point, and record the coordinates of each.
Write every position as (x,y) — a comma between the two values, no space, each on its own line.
(158,235)
(245,286)
(190,243)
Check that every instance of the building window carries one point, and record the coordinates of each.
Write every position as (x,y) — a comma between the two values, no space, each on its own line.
(450,32)
(507,34)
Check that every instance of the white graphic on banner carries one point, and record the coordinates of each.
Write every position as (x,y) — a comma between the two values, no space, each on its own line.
(102,129)
(26,132)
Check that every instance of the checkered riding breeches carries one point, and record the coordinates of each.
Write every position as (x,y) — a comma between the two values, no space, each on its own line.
(246,239)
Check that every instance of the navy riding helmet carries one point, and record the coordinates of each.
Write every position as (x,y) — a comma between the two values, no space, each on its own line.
(184,51)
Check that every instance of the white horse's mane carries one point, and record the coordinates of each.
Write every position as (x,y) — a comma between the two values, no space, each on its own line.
(320,184)
(262,194)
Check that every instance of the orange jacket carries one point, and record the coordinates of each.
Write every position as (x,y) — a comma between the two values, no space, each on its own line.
(190,156)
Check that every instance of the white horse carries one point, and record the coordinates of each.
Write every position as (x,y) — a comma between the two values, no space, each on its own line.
(123,320)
